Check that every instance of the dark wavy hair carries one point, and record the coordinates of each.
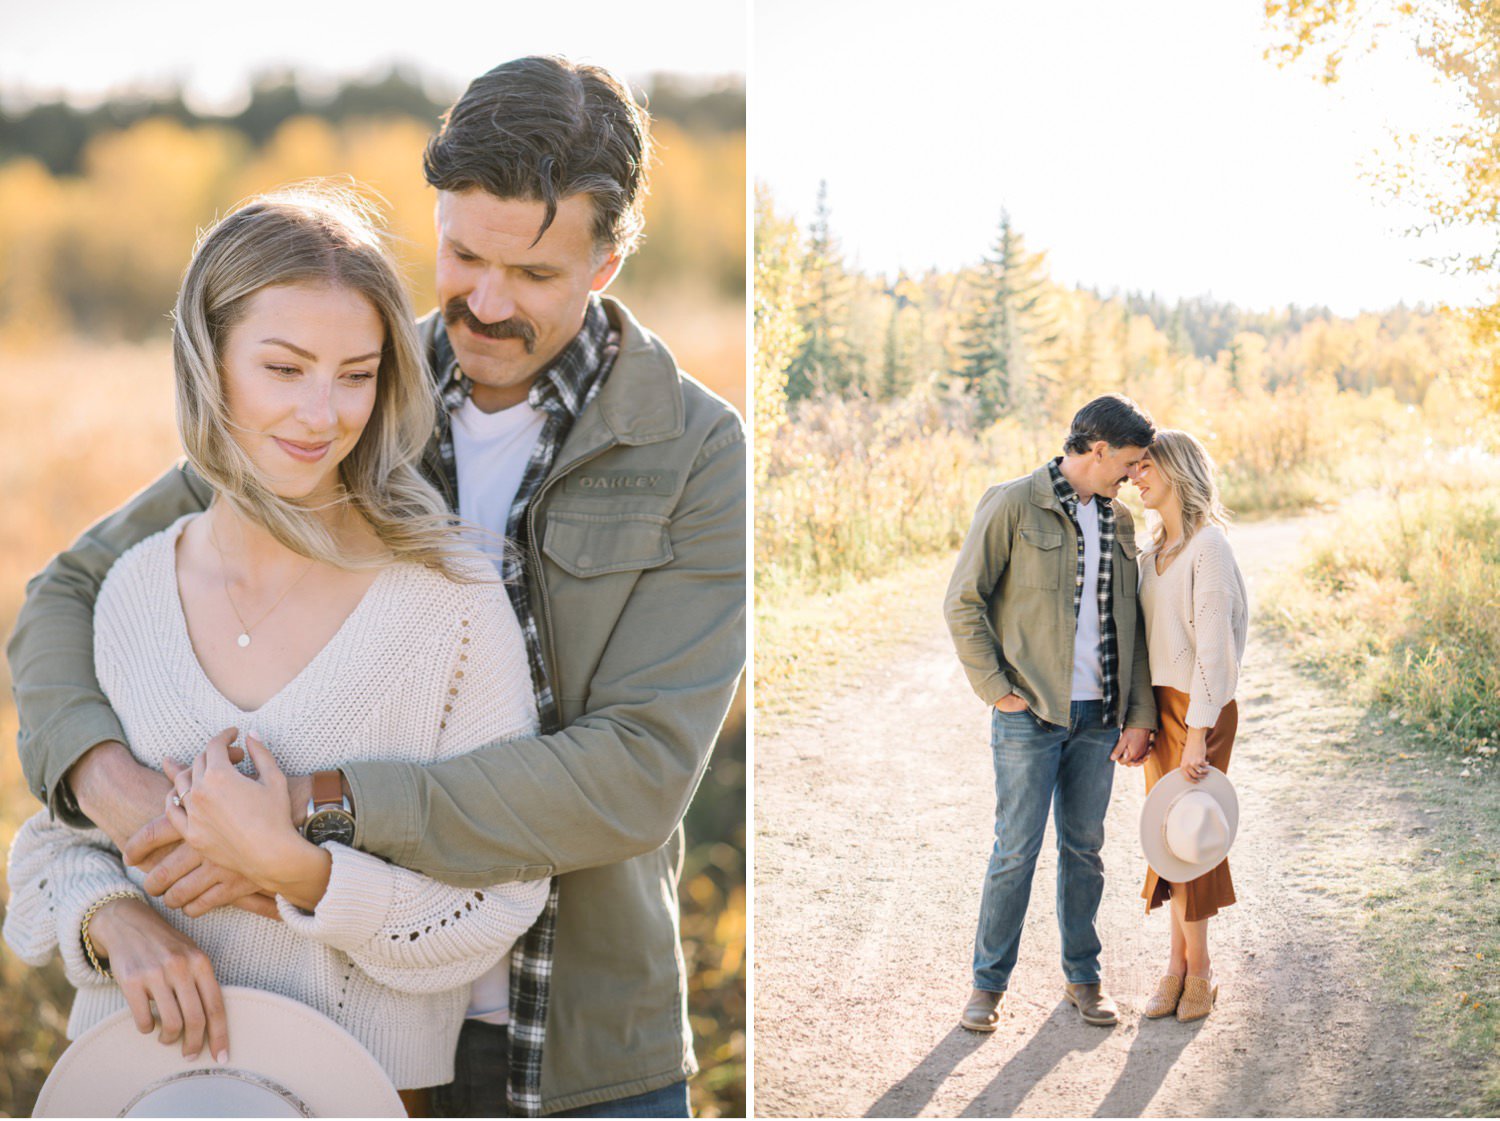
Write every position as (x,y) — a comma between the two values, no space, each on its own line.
(543,129)
(1113,418)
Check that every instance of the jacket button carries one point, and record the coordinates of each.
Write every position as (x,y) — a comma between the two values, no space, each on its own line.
(585,560)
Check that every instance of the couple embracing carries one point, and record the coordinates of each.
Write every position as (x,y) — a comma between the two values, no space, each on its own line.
(1091,654)
(392,698)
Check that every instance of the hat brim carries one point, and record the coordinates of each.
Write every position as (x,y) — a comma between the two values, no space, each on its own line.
(1163,862)
(271,1038)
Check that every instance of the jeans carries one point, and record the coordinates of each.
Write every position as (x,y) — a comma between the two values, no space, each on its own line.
(481,1068)
(1037,764)
(479,1076)
(669,1101)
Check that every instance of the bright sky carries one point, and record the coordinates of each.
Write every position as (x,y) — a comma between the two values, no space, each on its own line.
(1145,145)
(85,48)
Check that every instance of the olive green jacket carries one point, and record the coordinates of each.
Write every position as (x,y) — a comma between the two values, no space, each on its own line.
(1010,602)
(639,536)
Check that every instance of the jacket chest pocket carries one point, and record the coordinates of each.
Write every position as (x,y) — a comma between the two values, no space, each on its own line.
(1036,556)
(586,545)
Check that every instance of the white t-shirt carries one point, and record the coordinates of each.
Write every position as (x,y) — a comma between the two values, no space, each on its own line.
(491,451)
(1088,676)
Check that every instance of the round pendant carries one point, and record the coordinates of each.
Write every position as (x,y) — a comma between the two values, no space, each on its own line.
(243,640)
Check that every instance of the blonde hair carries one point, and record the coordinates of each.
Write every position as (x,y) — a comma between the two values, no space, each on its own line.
(1189,470)
(313,233)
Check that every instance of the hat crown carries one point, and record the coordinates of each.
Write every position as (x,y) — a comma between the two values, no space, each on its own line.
(1195,828)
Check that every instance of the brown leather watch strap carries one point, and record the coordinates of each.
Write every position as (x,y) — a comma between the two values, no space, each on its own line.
(327,789)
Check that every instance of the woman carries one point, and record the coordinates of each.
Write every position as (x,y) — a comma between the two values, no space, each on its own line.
(322,609)
(1194,601)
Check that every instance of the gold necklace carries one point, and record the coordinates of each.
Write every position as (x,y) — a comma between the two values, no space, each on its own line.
(244,639)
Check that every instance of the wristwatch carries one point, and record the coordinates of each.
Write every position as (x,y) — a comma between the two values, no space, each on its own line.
(330,814)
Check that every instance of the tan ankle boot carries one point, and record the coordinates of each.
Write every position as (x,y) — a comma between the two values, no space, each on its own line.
(1164,1001)
(1198,996)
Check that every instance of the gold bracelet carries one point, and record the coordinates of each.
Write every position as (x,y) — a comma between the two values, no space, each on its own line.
(88,946)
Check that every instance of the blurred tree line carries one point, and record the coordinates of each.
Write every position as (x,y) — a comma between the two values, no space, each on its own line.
(99,207)
(892,401)
(1012,342)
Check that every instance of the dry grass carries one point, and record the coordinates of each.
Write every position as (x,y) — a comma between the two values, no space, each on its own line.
(855,487)
(1398,603)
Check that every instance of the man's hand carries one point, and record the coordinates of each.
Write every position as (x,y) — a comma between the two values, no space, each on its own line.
(299,793)
(179,875)
(1012,703)
(1133,747)
(118,794)
(184,880)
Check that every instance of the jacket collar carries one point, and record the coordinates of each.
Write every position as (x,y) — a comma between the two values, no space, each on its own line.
(1042,492)
(640,401)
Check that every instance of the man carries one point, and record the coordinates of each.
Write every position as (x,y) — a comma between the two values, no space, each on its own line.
(1042,608)
(569,429)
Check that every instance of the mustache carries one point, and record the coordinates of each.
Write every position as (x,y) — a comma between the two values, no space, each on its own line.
(456,311)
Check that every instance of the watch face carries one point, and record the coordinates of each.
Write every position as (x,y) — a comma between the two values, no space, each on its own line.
(329,825)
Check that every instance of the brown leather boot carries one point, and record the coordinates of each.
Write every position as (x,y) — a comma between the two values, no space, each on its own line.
(982,1013)
(1092,1004)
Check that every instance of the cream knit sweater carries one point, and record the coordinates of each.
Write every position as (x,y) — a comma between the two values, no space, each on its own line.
(423,669)
(1197,617)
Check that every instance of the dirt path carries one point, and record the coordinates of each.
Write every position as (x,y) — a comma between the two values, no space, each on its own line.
(873,826)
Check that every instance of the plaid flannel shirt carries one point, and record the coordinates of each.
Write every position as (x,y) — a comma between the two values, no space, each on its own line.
(1109,648)
(561,391)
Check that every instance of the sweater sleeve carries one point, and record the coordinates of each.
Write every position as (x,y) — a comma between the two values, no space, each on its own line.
(1219,611)
(407,930)
(56,874)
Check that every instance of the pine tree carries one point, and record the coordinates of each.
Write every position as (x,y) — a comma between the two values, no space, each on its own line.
(903,338)
(826,361)
(1007,327)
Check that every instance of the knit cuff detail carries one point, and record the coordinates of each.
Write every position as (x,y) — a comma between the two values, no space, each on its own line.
(361,889)
(74,897)
(1203,714)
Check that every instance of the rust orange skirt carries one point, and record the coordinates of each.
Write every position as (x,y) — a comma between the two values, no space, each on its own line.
(1213,889)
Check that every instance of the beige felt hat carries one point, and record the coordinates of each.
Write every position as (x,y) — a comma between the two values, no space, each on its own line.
(285,1060)
(1186,827)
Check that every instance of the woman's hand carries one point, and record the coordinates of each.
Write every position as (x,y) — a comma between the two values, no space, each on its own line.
(153,961)
(1195,755)
(243,824)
